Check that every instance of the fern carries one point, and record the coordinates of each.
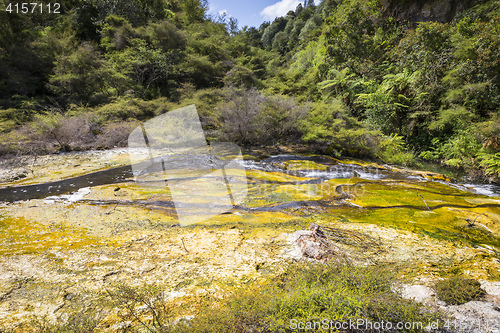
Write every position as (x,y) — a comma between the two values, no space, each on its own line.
(491,162)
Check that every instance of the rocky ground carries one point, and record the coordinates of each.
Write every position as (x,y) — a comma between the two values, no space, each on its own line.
(25,170)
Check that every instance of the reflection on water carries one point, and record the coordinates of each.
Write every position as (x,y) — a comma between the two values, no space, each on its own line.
(40,191)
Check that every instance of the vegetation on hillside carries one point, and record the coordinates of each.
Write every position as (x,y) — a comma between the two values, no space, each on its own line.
(343,76)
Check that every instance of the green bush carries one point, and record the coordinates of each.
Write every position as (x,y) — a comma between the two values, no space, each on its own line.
(491,162)
(311,292)
(144,308)
(115,134)
(86,321)
(391,149)
(304,292)
(132,109)
(329,127)
(11,143)
(458,290)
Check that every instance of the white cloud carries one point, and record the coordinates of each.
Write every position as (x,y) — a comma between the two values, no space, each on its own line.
(223,12)
(279,9)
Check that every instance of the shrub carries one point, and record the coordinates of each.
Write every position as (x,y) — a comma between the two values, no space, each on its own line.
(86,321)
(491,163)
(239,114)
(85,316)
(305,291)
(460,151)
(116,134)
(64,132)
(334,132)
(132,108)
(241,76)
(144,307)
(458,290)
(10,143)
(311,292)
(249,117)
(391,149)
(280,119)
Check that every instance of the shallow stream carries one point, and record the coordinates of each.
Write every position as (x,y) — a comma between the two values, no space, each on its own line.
(332,169)
(348,191)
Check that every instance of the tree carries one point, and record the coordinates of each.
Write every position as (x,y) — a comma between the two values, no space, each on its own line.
(80,75)
(165,36)
(343,85)
(142,64)
(194,10)
(116,33)
(389,106)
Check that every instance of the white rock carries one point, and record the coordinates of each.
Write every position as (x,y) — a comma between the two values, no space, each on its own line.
(417,292)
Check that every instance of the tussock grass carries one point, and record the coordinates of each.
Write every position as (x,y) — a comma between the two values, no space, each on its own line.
(458,290)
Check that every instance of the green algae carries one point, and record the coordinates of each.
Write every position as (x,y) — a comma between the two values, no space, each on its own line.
(273,176)
(270,194)
(442,223)
(379,194)
(23,236)
(262,194)
(254,225)
(294,165)
(265,194)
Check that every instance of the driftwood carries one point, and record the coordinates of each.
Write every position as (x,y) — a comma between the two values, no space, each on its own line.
(320,242)
(424,201)
(472,223)
(314,244)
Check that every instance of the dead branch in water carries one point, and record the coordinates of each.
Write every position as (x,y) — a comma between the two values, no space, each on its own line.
(423,200)
(471,224)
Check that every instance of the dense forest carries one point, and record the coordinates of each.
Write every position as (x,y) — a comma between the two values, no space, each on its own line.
(367,79)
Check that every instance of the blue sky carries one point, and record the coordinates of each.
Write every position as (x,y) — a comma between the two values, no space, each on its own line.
(253,12)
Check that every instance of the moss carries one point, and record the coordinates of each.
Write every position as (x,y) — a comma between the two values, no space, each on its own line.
(458,290)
